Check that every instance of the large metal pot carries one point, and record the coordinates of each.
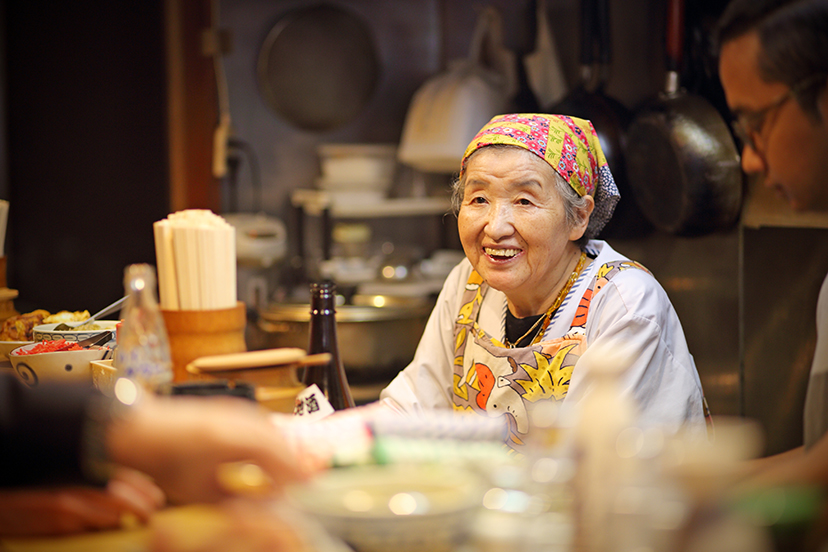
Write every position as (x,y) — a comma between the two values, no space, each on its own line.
(377,334)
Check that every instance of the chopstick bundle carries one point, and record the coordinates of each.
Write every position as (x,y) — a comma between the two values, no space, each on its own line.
(195,250)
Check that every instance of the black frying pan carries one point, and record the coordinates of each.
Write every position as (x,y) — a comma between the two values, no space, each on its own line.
(682,161)
(318,67)
(609,117)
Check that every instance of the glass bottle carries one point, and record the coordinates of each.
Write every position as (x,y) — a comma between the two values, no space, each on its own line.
(329,377)
(143,351)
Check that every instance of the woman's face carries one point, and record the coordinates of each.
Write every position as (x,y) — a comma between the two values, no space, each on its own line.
(513,226)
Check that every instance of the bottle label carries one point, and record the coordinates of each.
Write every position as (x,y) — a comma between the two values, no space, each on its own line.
(312,404)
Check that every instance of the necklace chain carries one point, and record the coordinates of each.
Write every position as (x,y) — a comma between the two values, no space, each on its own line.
(558,300)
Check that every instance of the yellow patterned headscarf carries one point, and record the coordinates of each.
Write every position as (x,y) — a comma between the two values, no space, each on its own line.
(570,146)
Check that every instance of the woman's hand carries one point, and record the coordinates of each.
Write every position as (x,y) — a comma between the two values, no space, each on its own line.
(183,443)
(66,510)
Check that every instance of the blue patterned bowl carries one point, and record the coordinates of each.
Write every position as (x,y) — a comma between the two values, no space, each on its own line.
(46,332)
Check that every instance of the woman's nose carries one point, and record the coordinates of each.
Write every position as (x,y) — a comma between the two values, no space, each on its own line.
(500,223)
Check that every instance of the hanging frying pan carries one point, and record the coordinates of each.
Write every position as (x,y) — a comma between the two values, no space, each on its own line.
(682,161)
(609,117)
(318,67)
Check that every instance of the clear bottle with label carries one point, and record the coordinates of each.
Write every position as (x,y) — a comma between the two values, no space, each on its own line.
(143,352)
(330,377)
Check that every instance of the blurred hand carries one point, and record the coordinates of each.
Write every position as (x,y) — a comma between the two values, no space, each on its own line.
(245,526)
(183,443)
(61,511)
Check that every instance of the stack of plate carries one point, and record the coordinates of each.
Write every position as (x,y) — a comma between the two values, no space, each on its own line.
(357,173)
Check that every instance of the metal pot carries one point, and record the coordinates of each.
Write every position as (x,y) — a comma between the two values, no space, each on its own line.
(377,334)
(681,158)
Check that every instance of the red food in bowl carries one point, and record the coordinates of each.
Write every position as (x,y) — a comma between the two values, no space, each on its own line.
(51,347)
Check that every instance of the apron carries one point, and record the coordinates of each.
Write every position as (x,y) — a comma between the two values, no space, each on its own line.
(494,380)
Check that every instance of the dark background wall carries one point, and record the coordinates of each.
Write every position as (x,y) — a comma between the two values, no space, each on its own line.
(87,155)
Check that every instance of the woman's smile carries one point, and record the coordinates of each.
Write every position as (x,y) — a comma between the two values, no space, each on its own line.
(500,255)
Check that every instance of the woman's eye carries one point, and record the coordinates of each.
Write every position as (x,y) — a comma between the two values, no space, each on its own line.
(524,201)
(477,200)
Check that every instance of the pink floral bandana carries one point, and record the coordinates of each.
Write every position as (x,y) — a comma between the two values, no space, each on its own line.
(570,146)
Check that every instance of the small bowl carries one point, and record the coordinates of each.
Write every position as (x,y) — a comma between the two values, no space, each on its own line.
(7,347)
(405,508)
(46,332)
(59,366)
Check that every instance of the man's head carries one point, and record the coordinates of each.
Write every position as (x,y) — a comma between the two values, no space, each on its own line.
(774,68)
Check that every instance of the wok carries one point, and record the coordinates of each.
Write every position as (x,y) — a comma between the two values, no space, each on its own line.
(682,161)
(318,67)
(609,117)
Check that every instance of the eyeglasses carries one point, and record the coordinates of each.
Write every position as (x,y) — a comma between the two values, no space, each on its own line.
(748,126)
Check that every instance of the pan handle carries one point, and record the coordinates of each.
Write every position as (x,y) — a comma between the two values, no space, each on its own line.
(675,35)
(602,14)
(587,33)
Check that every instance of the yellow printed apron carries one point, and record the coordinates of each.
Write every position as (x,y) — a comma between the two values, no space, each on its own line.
(494,380)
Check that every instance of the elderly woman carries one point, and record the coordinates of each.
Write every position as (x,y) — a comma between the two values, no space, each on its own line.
(517,318)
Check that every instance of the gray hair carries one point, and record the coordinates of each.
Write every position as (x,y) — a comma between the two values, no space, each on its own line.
(574,205)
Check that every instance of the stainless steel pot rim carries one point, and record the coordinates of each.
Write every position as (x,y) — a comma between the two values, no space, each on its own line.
(346,313)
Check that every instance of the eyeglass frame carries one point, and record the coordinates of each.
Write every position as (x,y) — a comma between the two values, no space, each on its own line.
(748,125)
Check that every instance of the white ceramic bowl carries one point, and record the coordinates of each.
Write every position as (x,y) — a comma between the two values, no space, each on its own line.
(352,164)
(46,332)
(7,347)
(60,366)
(404,508)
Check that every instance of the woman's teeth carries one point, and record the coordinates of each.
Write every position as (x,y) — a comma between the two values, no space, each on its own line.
(500,252)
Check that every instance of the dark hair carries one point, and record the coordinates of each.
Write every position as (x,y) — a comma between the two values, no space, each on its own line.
(794,39)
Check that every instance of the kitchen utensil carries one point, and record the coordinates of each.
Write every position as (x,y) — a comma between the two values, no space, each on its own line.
(543,65)
(374,341)
(62,327)
(448,110)
(682,161)
(261,240)
(609,117)
(318,67)
(273,371)
(97,339)
(56,366)
(198,333)
(256,360)
(46,332)
(409,507)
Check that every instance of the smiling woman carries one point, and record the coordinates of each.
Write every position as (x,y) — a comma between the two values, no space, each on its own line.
(516,320)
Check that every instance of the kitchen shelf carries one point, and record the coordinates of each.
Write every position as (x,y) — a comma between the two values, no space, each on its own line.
(314,202)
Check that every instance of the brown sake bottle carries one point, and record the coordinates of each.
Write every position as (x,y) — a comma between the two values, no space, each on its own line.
(329,377)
